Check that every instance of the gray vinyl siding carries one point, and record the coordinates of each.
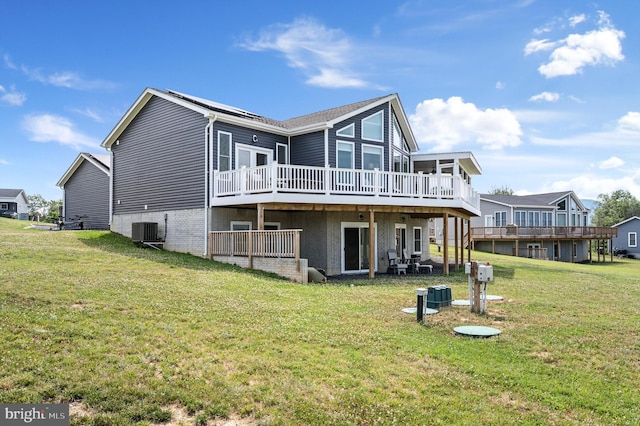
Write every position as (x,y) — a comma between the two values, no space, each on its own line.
(160,159)
(489,209)
(244,136)
(357,139)
(622,240)
(86,193)
(308,150)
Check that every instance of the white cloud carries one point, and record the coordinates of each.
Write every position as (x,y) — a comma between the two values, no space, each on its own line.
(545,96)
(611,163)
(445,124)
(575,20)
(630,122)
(324,54)
(538,46)
(589,186)
(12,97)
(500,85)
(4,162)
(67,79)
(53,128)
(597,47)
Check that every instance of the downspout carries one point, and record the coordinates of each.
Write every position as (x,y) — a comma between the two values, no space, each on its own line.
(208,164)
(110,187)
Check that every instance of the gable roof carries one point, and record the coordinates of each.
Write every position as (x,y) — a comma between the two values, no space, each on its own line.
(625,221)
(316,121)
(534,200)
(101,161)
(12,194)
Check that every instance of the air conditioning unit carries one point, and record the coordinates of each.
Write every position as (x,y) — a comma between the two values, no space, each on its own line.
(144,231)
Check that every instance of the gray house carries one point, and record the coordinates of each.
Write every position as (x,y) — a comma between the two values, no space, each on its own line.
(335,189)
(546,226)
(86,191)
(627,238)
(14,204)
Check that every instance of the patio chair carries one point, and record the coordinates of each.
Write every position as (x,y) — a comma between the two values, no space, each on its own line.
(414,264)
(394,265)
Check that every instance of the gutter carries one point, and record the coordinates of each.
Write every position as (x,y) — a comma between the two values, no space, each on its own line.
(208,163)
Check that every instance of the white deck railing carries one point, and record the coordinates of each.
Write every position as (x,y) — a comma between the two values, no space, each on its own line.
(285,178)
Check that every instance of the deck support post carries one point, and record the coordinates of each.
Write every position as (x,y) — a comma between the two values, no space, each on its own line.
(445,244)
(372,246)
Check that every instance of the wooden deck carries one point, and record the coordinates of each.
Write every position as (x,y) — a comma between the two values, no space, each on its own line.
(543,233)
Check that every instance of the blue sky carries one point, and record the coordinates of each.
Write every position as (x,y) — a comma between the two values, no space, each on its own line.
(545,93)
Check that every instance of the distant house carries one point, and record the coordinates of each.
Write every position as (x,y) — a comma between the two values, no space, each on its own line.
(85,187)
(335,189)
(547,226)
(627,238)
(14,203)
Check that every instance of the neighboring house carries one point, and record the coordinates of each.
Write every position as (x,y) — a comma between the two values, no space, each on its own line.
(335,189)
(627,238)
(14,203)
(547,226)
(86,191)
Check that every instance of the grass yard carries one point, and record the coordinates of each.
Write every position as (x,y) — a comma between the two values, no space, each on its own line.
(128,335)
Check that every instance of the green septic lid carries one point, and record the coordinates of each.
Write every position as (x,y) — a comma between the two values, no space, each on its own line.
(477,331)
(427,311)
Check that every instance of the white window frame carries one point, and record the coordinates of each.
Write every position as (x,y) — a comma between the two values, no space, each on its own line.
(286,150)
(369,118)
(378,148)
(547,218)
(520,218)
(347,131)
(241,223)
(4,206)
(503,220)
(353,154)
(360,226)
(633,235)
(533,218)
(417,242)
(220,132)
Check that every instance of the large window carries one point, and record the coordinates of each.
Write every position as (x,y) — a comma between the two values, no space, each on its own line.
(521,218)
(534,218)
(224,151)
(633,239)
(501,218)
(373,128)
(345,155)
(371,157)
(547,219)
(400,162)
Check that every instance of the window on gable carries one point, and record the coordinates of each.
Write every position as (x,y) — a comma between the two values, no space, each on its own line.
(347,131)
(345,155)
(373,128)
(633,239)
(562,205)
(224,151)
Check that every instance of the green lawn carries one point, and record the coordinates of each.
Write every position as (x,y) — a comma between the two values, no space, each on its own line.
(136,336)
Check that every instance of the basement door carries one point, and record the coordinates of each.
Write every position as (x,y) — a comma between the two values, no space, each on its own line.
(355,248)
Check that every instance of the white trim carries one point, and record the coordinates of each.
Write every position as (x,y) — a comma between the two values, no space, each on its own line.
(381,112)
(635,237)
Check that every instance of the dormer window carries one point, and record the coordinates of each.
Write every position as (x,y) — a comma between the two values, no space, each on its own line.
(347,131)
(373,127)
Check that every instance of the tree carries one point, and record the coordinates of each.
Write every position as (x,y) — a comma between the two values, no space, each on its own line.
(503,190)
(38,206)
(615,208)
